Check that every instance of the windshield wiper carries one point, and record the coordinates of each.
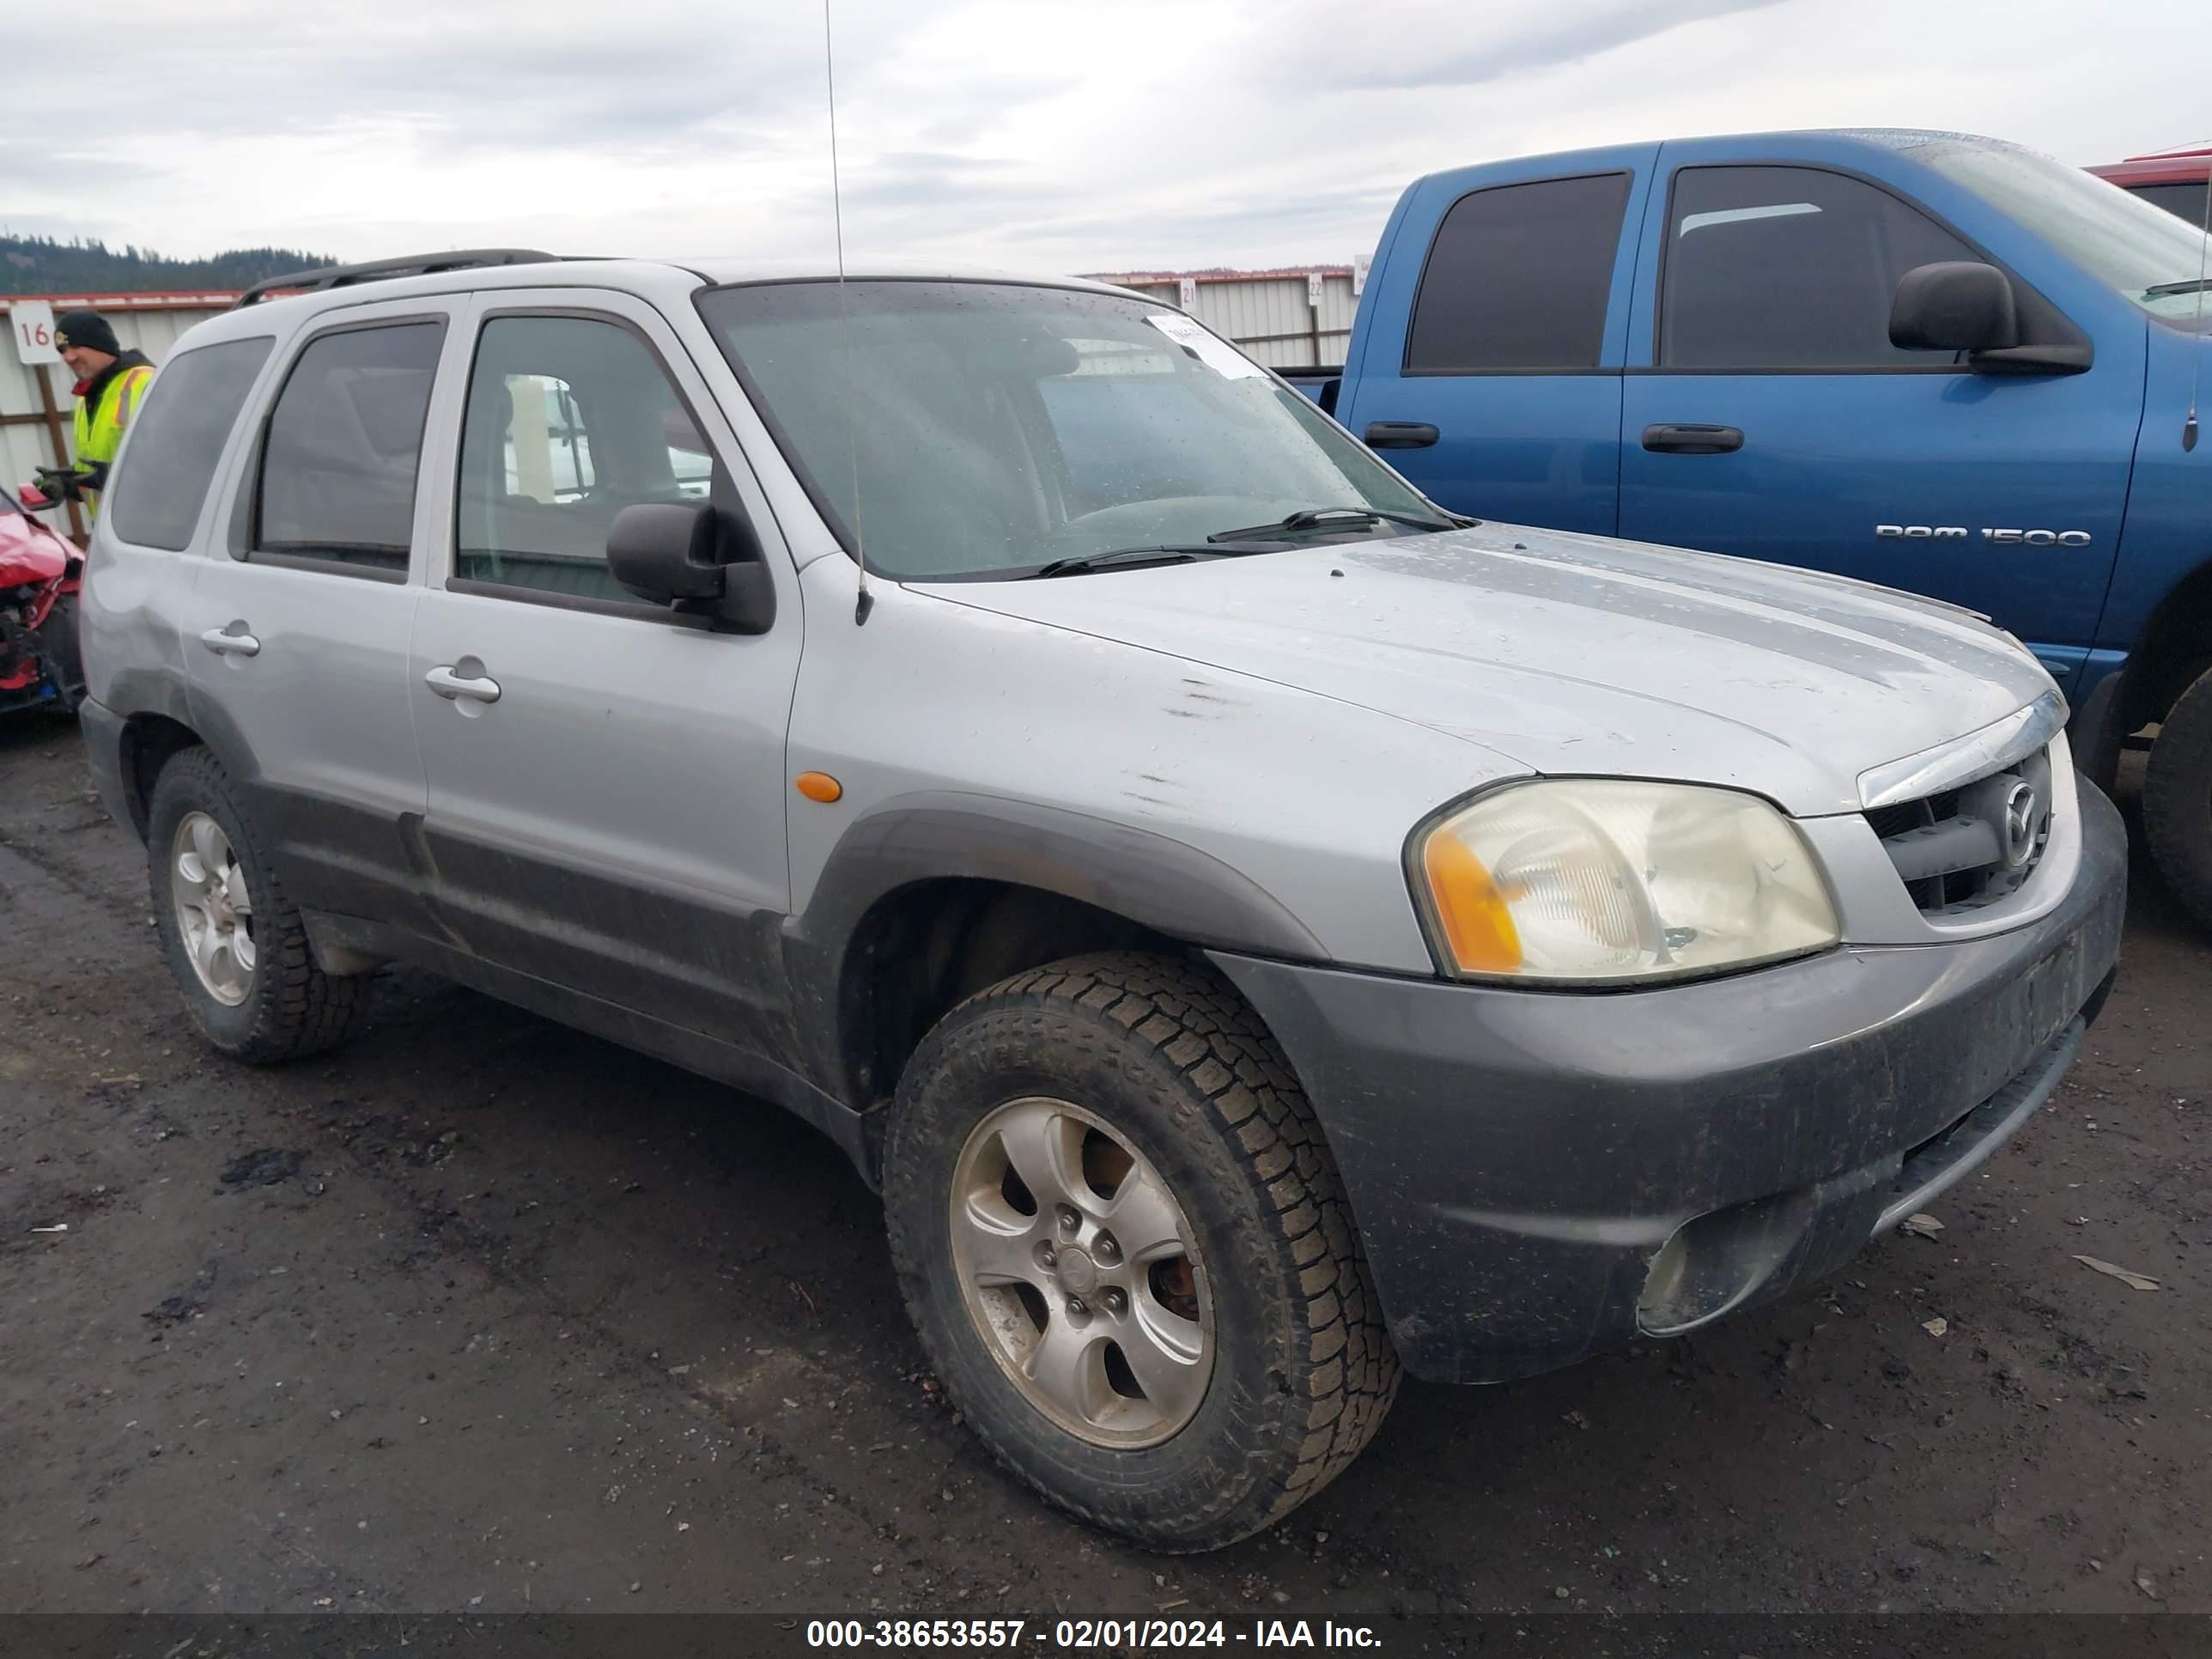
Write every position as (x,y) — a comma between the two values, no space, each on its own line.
(1321,517)
(2193,285)
(1164,553)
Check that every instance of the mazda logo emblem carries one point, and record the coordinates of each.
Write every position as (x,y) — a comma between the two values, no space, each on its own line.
(2022,812)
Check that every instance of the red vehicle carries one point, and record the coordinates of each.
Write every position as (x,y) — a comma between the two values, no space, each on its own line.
(2173,180)
(39,575)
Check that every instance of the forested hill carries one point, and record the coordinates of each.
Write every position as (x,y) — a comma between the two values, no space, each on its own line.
(39,264)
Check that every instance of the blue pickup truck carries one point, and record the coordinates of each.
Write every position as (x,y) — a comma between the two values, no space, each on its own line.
(1938,362)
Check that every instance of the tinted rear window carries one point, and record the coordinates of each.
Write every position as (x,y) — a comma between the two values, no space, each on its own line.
(162,480)
(338,479)
(1518,278)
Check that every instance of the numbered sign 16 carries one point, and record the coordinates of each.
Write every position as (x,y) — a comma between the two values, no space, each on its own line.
(32,322)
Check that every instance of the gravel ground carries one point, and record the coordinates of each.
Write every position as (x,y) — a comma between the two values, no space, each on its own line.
(482,1314)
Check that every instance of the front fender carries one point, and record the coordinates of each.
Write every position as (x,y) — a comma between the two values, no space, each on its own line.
(1151,879)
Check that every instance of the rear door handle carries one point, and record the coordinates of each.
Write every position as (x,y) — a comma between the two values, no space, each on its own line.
(232,642)
(452,687)
(1674,438)
(1400,435)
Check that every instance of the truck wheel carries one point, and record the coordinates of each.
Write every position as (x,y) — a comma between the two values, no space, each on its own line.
(1123,1242)
(2178,799)
(234,942)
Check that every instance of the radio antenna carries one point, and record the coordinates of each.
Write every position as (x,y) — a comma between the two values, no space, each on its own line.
(866,601)
(2197,358)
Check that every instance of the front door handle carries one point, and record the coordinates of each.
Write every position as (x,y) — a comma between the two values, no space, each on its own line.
(452,687)
(1400,435)
(1675,438)
(232,642)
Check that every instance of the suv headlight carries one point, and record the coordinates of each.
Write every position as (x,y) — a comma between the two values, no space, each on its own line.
(1597,881)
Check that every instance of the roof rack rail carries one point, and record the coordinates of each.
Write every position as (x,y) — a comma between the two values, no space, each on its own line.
(378,270)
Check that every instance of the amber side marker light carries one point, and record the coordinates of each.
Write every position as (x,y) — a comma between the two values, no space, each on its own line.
(1478,928)
(818,785)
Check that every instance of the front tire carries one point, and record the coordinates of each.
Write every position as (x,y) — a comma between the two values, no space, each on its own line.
(1124,1244)
(234,942)
(2178,799)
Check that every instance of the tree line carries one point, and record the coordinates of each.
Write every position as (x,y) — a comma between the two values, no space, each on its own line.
(44,264)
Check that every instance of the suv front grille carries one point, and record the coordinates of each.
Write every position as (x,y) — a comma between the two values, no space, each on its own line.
(1965,848)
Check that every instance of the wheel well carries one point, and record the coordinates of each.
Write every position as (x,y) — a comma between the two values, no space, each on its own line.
(921,950)
(149,743)
(2176,647)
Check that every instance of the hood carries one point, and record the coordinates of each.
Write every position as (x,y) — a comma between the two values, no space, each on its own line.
(29,552)
(1576,654)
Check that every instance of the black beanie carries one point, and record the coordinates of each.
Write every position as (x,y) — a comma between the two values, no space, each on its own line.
(87,328)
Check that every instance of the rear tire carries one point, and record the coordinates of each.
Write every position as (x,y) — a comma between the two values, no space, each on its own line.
(2178,799)
(234,942)
(1159,1078)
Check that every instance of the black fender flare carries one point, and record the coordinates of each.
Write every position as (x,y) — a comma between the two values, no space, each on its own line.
(159,691)
(1141,875)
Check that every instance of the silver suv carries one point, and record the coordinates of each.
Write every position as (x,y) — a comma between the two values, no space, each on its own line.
(1257,931)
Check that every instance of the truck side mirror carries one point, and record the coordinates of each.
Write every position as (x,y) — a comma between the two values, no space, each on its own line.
(697,556)
(1955,305)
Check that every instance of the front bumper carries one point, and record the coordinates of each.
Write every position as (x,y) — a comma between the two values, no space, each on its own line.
(1538,1176)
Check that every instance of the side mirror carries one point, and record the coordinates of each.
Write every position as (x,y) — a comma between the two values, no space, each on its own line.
(664,552)
(698,557)
(1956,305)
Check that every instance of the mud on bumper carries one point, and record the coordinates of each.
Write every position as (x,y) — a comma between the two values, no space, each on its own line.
(1540,1176)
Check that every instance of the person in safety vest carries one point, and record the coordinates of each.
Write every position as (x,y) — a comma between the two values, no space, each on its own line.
(110,382)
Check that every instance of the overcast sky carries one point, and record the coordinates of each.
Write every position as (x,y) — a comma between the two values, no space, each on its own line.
(1054,135)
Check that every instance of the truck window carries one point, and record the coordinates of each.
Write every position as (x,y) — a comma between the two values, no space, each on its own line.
(1780,268)
(1518,277)
(338,476)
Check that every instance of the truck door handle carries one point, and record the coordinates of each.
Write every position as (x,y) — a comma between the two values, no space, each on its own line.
(232,642)
(1400,435)
(452,687)
(1670,438)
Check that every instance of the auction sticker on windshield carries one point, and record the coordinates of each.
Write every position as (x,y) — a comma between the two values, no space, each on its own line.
(1216,353)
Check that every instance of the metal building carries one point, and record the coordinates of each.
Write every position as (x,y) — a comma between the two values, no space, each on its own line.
(1295,317)
(35,398)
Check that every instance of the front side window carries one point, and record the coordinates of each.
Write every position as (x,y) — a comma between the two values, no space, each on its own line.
(1781,268)
(161,482)
(1518,278)
(569,420)
(343,444)
(987,430)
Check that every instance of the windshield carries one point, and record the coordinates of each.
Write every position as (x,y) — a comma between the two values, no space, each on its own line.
(997,429)
(2116,238)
